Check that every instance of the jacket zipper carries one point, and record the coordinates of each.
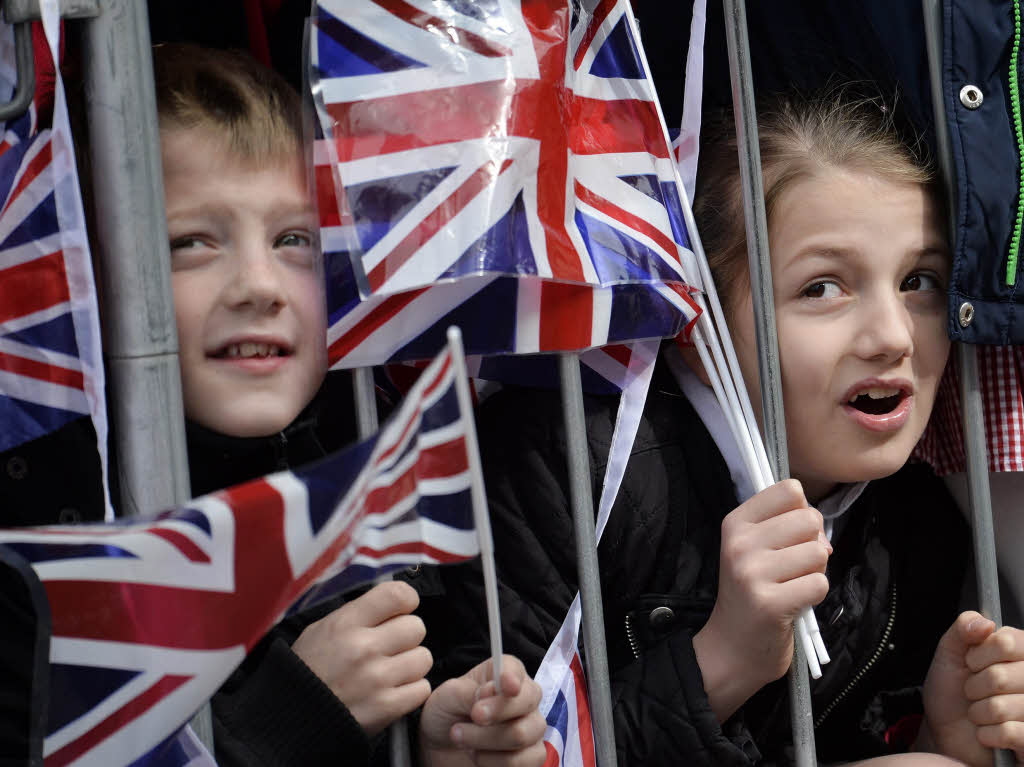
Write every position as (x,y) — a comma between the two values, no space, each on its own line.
(631,637)
(882,644)
(1018,129)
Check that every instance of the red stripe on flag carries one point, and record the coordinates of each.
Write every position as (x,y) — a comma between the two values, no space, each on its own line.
(413,547)
(600,14)
(371,322)
(414,416)
(35,167)
(583,713)
(612,210)
(620,353)
(434,222)
(327,199)
(127,713)
(444,460)
(42,371)
(451,34)
(566,316)
(182,543)
(624,125)
(166,615)
(33,286)
(551,760)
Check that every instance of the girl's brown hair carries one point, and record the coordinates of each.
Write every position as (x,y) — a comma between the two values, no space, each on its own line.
(255,111)
(798,138)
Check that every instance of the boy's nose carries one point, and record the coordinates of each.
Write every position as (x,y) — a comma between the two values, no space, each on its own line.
(886,330)
(256,284)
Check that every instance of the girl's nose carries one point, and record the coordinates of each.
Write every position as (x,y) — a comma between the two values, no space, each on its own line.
(886,330)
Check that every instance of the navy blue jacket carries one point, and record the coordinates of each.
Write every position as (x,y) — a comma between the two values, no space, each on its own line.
(807,43)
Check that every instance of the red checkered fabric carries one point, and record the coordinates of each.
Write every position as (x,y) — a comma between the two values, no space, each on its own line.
(1001,373)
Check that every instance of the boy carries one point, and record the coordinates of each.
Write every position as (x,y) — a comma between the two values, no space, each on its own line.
(252,327)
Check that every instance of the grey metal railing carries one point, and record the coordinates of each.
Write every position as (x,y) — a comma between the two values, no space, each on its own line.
(986,569)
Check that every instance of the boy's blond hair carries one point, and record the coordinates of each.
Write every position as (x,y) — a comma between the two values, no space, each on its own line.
(798,138)
(251,108)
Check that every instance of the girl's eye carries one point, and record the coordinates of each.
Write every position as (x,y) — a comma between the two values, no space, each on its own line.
(185,243)
(921,281)
(821,289)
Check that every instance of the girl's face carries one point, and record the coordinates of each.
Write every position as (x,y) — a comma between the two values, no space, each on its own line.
(860,267)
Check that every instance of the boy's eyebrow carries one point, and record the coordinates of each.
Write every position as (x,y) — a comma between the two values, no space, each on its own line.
(223,209)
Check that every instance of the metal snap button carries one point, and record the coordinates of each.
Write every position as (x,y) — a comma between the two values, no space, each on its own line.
(661,617)
(17,467)
(971,96)
(966,314)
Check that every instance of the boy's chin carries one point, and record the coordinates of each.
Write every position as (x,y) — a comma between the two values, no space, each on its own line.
(252,422)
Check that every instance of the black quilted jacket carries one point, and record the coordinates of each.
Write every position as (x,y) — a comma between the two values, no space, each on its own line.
(896,573)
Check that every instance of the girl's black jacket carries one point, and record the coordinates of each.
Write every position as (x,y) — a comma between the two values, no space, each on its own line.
(895,578)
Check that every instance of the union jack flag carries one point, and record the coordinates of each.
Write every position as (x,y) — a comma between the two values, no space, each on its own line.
(149,617)
(569,735)
(51,369)
(499,166)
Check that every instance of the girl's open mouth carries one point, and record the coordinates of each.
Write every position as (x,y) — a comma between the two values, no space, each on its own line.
(880,408)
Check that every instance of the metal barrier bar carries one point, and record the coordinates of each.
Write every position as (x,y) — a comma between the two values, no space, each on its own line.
(19,11)
(367,424)
(967,363)
(764,322)
(26,69)
(131,234)
(595,646)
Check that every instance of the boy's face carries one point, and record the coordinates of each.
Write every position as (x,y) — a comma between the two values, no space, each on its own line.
(247,293)
(860,267)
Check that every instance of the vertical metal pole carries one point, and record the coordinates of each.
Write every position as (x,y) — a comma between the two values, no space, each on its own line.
(967,363)
(764,322)
(367,424)
(596,651)
(131,231)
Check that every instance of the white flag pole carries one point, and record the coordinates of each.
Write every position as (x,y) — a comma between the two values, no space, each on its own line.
(480,514)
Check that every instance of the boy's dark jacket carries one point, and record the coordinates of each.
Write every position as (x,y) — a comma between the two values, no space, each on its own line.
(895,579)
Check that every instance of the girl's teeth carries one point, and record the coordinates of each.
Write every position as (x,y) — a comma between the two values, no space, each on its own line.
(876,393)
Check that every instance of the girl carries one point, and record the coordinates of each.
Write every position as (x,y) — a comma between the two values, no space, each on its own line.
(701,581)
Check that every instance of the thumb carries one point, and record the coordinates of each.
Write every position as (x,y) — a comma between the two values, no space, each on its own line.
(970,628)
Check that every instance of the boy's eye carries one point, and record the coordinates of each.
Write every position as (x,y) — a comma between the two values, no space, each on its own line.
(294,240)
(185,243)
(921,281)
(821,289)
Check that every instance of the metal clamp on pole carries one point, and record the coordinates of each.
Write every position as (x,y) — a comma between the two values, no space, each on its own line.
(20,11)
(764,322)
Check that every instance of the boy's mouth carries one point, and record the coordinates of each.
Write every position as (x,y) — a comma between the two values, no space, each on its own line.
(250,350)
(880,405)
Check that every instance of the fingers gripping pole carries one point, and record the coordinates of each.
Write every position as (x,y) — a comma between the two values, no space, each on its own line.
(767,339)
(367,424)
(596,653)
(967,363)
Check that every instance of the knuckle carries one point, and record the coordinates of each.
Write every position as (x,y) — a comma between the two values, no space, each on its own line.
(792,492)
(401,595)
(418,629)
(1004,642)
(999,679)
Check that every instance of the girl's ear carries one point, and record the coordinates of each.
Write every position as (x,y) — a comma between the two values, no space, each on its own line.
(692,360)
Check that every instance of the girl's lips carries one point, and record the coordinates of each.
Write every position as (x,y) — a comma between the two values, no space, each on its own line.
(882,422)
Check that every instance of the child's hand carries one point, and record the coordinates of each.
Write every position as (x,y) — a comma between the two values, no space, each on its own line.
(773,558)
(368,652)
(465,722)
(974,691)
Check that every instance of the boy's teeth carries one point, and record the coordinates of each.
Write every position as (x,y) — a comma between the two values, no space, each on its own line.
(875,393)
(250,349)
